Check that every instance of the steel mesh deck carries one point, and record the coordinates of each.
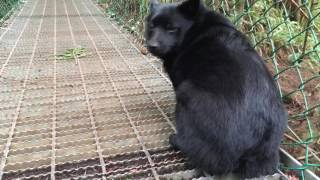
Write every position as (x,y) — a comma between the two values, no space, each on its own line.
(107,115)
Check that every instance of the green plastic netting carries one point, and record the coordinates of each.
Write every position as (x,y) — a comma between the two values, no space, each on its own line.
(286,33)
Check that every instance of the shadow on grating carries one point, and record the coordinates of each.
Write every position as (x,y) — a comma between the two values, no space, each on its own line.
(129,165)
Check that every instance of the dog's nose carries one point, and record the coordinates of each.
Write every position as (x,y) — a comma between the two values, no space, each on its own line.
(153,46)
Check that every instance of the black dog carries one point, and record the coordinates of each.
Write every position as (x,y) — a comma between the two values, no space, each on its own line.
(229,114)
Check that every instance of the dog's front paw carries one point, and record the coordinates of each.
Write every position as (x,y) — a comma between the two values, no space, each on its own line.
(173,141)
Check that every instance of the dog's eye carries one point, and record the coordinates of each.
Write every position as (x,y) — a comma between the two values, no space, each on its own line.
(169,27)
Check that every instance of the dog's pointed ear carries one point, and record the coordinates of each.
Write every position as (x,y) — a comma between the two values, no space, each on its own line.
(190,8)
(154,4)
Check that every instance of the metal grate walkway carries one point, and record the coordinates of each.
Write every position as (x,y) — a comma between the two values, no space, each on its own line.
(107,115)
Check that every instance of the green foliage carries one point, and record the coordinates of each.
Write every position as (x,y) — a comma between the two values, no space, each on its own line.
(6,6)
(73,53)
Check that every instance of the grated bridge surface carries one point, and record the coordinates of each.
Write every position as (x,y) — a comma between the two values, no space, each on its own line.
(107,115)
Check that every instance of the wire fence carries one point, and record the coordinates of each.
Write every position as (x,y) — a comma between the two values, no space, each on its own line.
(286,33)
(6,6)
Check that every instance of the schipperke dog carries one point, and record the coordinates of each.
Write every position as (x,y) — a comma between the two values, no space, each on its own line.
(229,114)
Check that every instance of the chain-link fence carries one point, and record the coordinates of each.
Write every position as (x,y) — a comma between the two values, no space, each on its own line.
(6,6)
(286,33)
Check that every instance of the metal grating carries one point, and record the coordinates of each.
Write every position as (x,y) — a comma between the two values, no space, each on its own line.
(107,115)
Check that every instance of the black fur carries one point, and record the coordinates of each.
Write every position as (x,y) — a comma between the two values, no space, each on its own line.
(229,114)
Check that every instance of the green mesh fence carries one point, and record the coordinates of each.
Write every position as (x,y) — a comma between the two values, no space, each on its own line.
(6,6)
(286,33)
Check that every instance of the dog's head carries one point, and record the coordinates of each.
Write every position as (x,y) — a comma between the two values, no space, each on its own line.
(167,25)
